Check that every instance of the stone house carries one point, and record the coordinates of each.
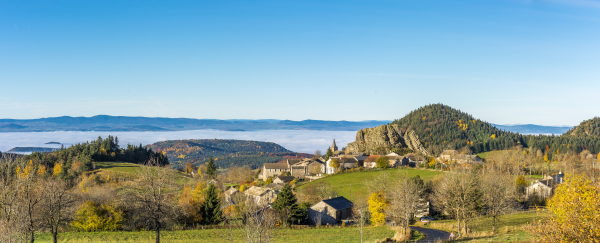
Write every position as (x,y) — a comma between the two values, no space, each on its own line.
(453,155)
(231,197)
(315,167)
(261,196)
(542,189)
(283,179)
(371,161)
(330,211)
(274,169)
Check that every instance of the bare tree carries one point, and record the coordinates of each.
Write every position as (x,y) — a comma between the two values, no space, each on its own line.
(150,197)
(12,224)
(29,197)
(325,191)
(405,197)
(258,224)
(379,183)
(57,206)
(498,194)
(459,196)
(361,214)
(317,154)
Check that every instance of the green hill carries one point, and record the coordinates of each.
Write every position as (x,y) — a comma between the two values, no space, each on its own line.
(227,152)
(442,125)
(448,128)
(587,128)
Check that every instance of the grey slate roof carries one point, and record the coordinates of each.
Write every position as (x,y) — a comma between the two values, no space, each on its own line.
(339,203)
(286,178)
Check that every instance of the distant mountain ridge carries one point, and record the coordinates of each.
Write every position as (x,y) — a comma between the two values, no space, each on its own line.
(126,123)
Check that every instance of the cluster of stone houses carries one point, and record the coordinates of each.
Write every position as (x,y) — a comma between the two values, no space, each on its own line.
(303,168)
(453,155)
(544,189)
(262,196)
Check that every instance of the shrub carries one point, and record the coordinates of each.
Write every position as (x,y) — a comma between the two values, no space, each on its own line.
(91,217)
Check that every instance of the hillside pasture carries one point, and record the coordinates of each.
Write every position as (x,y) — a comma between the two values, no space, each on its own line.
(355,181)
(130,170)
(330,234)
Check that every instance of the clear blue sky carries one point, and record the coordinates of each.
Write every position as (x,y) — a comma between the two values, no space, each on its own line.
(503,61)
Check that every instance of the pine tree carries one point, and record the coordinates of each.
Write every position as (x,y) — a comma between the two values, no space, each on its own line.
(211,209)
(286,205)
(211,169)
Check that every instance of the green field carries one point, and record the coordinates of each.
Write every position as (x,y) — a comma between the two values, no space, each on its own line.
(355,181)
(118,167)
(510,228)
(483,155)
(344,234)
(121,167)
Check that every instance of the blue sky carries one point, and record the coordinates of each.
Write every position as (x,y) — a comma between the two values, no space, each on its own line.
(505,62)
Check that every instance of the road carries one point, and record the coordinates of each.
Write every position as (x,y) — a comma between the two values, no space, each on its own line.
(432,235)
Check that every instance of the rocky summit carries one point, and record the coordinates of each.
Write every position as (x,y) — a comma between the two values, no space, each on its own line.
(383,139)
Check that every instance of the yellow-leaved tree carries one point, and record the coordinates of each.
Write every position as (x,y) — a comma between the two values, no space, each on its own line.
(41,170)
(576,213)
(377,205)
(57,168)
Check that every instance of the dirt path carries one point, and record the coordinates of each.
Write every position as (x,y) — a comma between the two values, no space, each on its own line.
(432,235)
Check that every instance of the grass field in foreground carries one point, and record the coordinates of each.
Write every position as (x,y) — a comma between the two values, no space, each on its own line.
(509,228)
(346,234)
(342,182)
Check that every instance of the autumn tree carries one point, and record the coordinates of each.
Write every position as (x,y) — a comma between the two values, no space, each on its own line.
(189,168)
(377,206)
(576,213)
(335,164)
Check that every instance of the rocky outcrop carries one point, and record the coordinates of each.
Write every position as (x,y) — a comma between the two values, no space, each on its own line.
(383,139)
(413,142)
(377,140)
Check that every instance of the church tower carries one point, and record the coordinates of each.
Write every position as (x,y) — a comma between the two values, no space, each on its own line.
(333,147)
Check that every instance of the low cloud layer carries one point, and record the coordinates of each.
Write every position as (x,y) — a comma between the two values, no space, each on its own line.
(303,141)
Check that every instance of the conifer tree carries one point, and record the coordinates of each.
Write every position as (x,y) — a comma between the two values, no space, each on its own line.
(211,209)
(286,205)
(211,169)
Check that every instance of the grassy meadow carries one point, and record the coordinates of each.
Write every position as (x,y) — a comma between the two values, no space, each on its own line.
(129,170)
(509,228)
(355,181)
(333,234)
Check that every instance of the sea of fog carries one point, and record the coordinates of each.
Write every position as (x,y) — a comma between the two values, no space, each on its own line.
(303,141)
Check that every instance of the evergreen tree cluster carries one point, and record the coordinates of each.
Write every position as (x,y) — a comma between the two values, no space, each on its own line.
(78,158)
(587,128)
(438,124)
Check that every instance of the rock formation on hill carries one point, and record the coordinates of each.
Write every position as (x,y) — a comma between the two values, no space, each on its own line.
(413,142)
(383,139)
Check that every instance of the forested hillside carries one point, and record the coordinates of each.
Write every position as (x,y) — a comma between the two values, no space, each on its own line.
(587,128)
(441,126)
(226,152)
(74,160)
